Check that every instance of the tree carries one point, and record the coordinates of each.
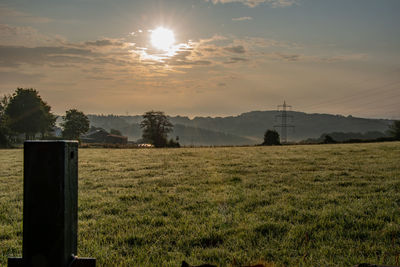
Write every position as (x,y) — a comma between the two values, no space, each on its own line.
(48,122)
(4,131)
(394,130)
(75,123)
(27,113)
(271,137)
(156,127)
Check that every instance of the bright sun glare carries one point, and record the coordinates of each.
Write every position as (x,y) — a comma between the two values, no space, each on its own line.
(162,38)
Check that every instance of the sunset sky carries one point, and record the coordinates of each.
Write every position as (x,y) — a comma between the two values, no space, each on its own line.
(226,56)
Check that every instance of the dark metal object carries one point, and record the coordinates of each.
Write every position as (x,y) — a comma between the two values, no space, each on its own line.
(284,116)
(50,223)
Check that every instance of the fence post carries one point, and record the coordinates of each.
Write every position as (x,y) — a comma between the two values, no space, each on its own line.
(50,212)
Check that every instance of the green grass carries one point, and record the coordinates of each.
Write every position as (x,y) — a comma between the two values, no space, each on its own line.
(322,205)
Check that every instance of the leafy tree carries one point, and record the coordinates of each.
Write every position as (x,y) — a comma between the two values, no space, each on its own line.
(4,131)
(271,137)
(115,132)
(48,122)
(27,113)
(75,123)
(394,130)
(156,127)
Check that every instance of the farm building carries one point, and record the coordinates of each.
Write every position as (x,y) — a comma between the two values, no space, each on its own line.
(102,136)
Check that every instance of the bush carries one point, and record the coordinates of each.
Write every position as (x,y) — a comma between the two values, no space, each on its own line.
(271,137)
(172,143)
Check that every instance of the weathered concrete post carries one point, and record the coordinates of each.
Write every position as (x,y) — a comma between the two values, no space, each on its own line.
(50,213)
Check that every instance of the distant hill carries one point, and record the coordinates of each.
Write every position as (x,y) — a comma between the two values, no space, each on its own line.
(195,136)
(246,128)
(345,137)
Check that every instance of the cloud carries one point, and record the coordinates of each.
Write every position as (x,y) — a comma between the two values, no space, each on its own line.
(288,57)
(236,60)
(189,62)
(104,42)
(313,58)
(346,57)
(239,49)
(25,36)
(99,78)
(114,71)
(9,14)
(16,55)
(132,58)
(254,3)
(186,58)
(242,18)
(209,49)
(19,77)
(263,43)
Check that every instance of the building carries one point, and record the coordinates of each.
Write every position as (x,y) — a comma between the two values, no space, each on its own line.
(101,136)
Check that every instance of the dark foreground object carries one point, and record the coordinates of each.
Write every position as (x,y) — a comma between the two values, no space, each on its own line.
(50,213)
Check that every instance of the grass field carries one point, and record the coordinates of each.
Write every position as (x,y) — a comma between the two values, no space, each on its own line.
(321,205)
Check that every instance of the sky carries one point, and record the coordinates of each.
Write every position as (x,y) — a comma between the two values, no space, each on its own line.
(226,56)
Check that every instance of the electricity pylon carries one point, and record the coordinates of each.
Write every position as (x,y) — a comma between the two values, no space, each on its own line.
(282,109)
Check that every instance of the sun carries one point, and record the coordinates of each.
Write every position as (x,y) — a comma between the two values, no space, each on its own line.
(162,38)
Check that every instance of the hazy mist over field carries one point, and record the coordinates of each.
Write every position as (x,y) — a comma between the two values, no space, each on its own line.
(204,58)
(247,128)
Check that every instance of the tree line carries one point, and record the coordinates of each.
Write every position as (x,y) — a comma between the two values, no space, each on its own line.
(24,115)
(271,137)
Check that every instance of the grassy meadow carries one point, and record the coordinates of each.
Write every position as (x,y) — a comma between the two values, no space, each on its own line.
(321,205)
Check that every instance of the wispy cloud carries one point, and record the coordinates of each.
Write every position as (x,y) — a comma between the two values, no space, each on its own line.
(25,36)
(242,19)
(120,59)
(236,60)
(104,42)
(126,70)
(347,57)
(254,3)
(16,55)
(239,49)
(8,14)
(17,77)
(312,58)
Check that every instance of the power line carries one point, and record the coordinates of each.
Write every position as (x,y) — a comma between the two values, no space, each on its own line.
(357,94)
(365,94)
(377,105)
